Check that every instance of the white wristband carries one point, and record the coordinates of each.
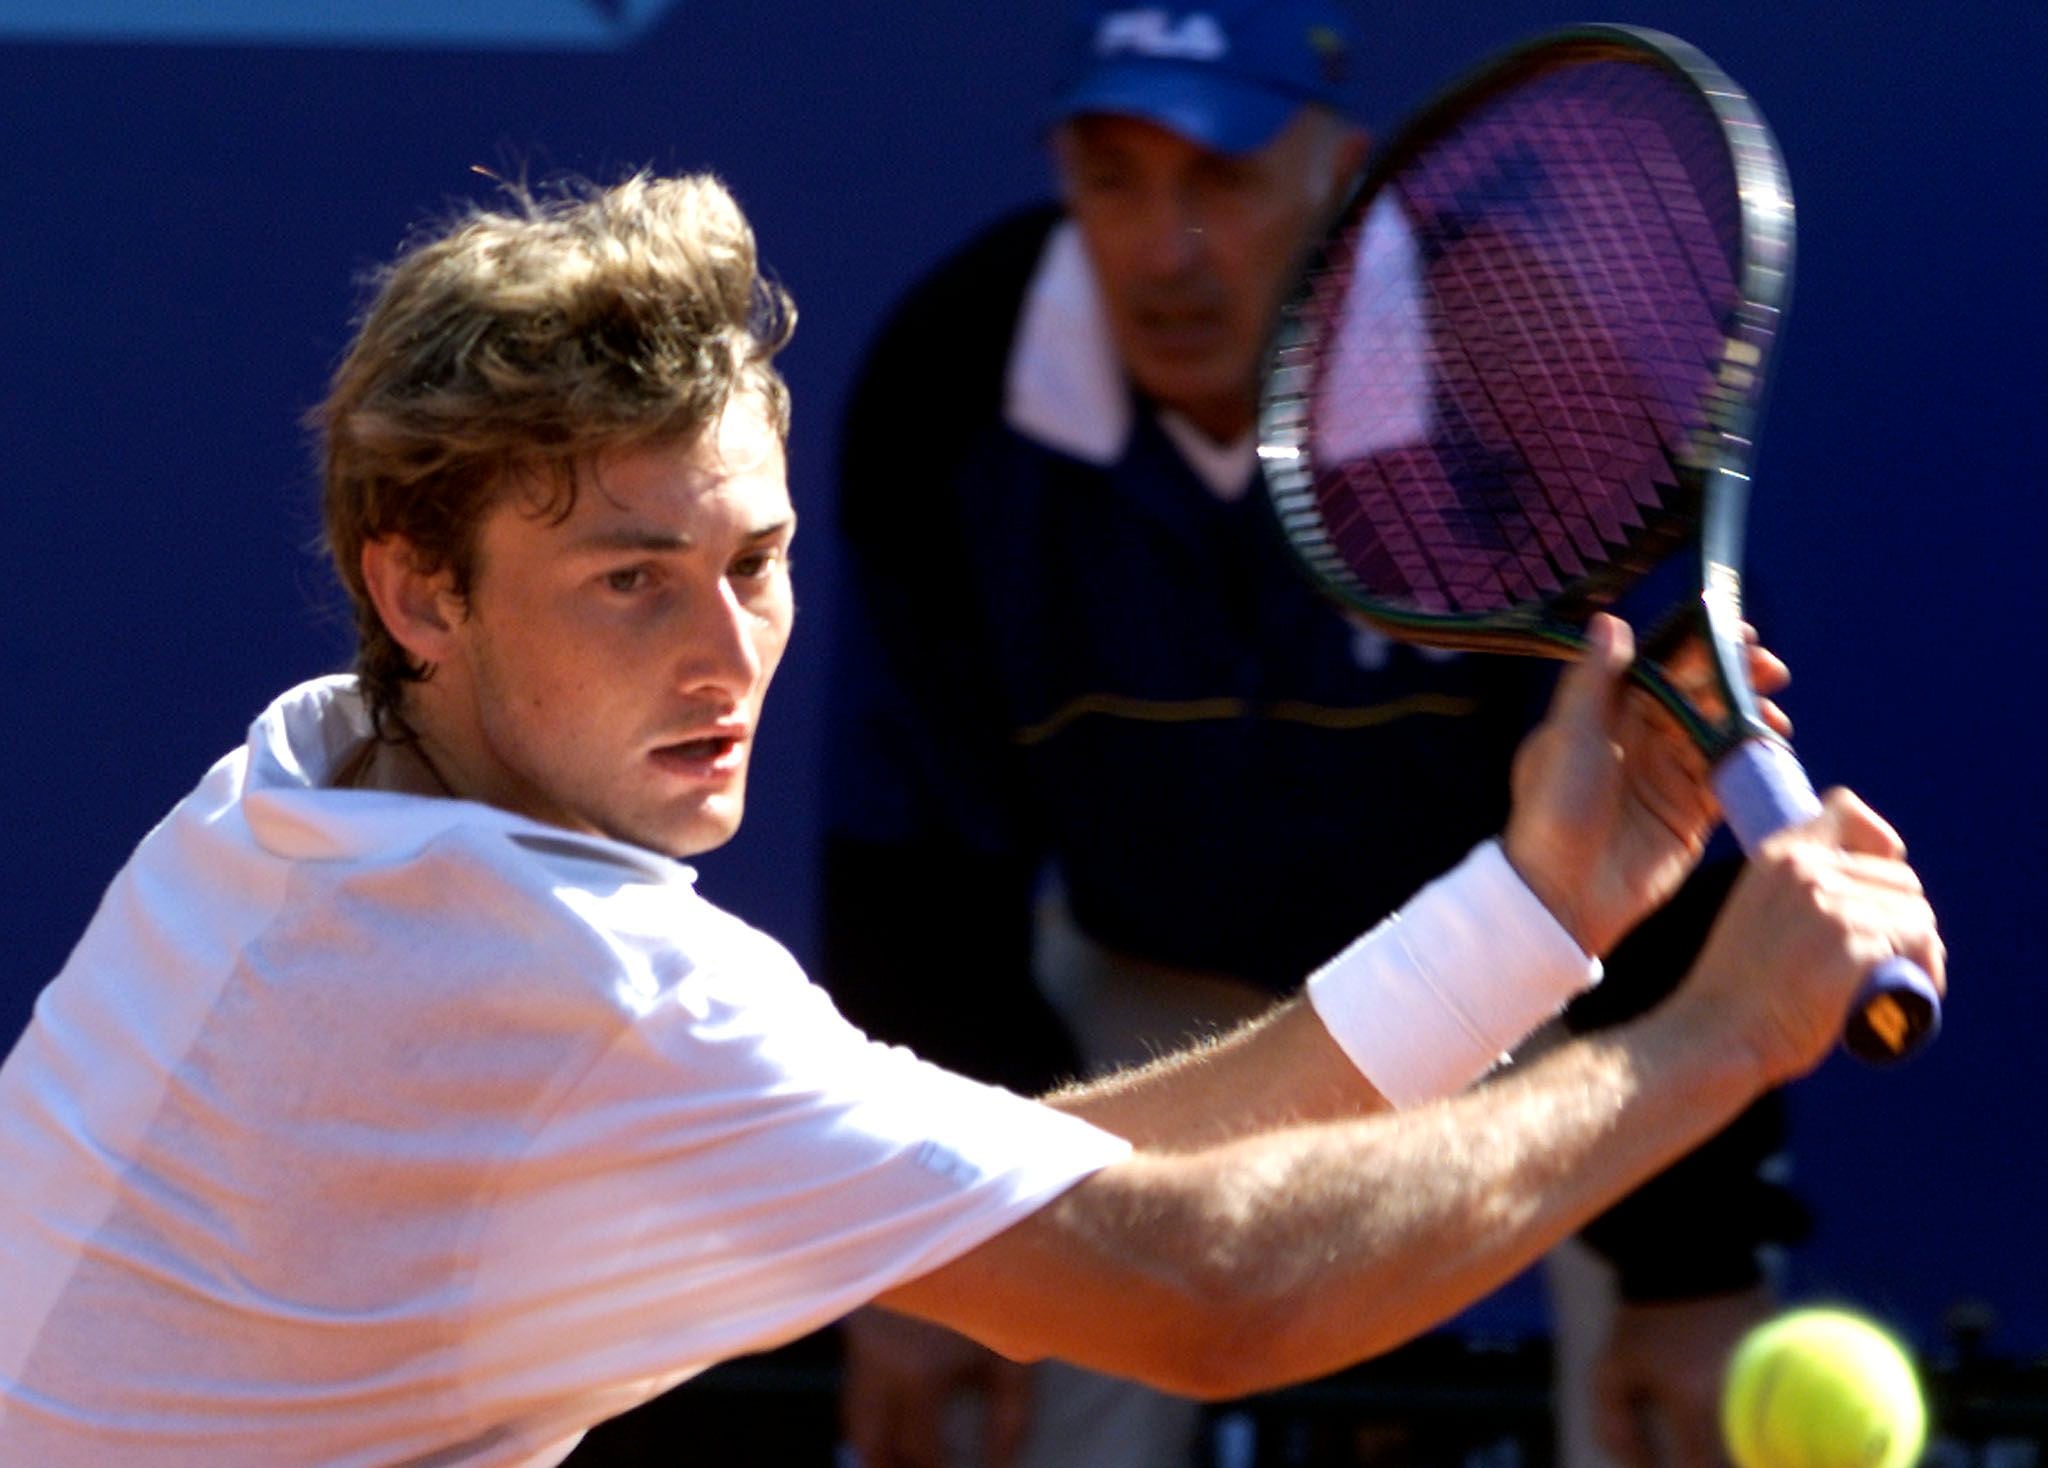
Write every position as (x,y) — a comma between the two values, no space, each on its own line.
(1435,996)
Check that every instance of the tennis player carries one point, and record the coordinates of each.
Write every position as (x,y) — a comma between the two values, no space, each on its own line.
(403,1102)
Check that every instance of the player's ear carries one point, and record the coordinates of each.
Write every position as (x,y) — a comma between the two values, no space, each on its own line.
(418,607)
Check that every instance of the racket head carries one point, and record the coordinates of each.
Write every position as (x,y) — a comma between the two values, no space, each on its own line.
(1525,366)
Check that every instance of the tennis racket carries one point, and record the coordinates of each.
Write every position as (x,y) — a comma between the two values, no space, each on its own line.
(1522,375)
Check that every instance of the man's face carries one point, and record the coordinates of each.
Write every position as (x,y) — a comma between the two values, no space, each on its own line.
(1194,248)
(614,662)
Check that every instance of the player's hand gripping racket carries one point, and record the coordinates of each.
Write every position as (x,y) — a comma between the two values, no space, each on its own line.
(1524,372)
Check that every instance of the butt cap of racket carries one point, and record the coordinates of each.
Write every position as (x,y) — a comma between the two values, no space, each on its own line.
(1896,1015)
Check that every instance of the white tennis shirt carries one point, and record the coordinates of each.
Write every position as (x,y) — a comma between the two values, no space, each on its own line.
(366,1128)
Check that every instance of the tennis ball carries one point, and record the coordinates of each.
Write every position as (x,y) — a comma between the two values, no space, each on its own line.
(1822,1389)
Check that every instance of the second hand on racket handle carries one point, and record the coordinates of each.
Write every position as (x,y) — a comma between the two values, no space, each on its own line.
(1764,789)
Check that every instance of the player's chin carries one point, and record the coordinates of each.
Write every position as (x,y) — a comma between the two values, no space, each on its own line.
(680,831)
(713,823)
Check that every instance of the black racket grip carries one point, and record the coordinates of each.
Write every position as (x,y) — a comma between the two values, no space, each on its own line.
(1897,1012)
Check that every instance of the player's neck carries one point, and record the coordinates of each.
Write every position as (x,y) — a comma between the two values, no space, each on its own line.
(453,753)
(396,764)
(423,748)
(448,746)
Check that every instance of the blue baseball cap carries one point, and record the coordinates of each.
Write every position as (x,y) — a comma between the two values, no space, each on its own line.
(1228,74)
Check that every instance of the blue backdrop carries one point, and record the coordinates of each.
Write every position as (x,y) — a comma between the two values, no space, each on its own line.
(190,191)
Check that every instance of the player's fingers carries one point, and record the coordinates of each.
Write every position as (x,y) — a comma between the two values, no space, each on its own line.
(1877,906)
(1664,761)
(1691,671)
(1775,717)
(1768,673)
(1926,949)
(1667,740)
(1854,826)
(1884,875)
(1668,771)
(1586,694)
(1898,915)
(1687,818)
(1922,945)
(1683,812)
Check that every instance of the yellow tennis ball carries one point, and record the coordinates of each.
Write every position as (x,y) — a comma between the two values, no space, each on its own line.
(1822,1389)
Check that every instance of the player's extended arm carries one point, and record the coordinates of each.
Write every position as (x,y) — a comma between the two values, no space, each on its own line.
(1281,1256)
(1244,1252)
(1611,813)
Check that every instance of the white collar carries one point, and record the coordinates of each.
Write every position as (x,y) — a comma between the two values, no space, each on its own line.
(1064,387)
(293,750)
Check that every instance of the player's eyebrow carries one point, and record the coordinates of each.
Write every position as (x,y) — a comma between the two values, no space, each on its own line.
(665,542)
(632,538)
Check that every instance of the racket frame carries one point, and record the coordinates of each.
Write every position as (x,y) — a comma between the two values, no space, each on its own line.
(1712,508)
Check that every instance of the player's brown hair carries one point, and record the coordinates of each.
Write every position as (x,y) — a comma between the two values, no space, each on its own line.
(515,345)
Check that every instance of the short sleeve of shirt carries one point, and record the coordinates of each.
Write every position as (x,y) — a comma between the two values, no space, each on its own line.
(739,1165)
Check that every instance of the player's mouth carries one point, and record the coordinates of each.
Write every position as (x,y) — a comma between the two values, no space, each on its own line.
(710,756)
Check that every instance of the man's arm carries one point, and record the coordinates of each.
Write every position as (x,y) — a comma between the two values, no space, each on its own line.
(1605,813)
(1243,1251)
(1279,1256)
(1279,1070)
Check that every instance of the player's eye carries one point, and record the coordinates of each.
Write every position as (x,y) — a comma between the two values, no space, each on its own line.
(627,579)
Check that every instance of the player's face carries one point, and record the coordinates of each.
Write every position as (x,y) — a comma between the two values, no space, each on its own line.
(1194,248)
(616,660)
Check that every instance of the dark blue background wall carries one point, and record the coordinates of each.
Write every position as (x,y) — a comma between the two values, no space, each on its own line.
(180,222)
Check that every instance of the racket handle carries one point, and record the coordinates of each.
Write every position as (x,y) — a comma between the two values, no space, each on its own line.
(1763,789)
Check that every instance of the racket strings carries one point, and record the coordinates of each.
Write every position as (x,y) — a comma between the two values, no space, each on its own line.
(1527,327)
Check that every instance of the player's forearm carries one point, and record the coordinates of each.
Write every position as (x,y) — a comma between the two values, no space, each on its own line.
(1299,1252)
(1429,1211)
(1279,1070)
(1418,1008)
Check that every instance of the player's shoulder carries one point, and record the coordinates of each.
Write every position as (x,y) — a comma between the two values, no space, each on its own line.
(495,904)
(643,903)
